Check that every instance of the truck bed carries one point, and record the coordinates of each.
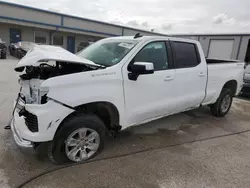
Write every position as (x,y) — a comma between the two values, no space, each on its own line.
(219,72)
(215,61)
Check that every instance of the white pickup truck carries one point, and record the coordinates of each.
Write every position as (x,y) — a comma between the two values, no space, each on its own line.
(70,102)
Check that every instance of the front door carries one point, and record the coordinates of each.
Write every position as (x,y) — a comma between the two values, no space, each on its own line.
(71,44)
(150,96)
(15,35)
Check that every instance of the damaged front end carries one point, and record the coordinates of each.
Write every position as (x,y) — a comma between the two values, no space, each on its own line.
(44,62)
(36,116)
(32,78)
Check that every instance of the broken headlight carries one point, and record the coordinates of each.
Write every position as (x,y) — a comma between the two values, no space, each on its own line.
(42,94)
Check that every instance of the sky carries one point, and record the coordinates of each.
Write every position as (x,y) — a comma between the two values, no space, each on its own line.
(164,16)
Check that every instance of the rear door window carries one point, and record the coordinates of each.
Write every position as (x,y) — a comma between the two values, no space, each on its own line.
(185,54)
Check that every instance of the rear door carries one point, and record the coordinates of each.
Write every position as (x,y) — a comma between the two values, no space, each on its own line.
(190,75)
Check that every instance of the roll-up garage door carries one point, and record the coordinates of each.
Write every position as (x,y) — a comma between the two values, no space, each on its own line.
(221,49)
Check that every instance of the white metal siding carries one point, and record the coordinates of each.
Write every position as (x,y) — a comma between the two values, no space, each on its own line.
(243,47)
(27,34)
(205,43)
(14,14)
(132,32)
(25,24)
(87,25)
(239,47)
(28,14)
(5,33)
(43,33)
(81,38)
(77,32)
(189,37)
(64,38)
(221,49)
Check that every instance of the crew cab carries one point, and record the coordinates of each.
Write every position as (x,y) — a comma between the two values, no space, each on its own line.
(70,102)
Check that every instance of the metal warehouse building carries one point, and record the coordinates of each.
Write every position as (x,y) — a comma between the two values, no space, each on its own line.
(18,22)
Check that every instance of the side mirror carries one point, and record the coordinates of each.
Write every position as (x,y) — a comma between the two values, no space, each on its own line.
(140,68)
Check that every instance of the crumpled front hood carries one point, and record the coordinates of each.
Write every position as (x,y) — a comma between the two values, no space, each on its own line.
(42,53)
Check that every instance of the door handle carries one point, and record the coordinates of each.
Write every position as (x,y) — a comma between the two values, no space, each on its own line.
(201,74)
(168,78)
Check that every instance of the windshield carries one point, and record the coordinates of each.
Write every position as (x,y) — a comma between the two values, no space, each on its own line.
(107,52)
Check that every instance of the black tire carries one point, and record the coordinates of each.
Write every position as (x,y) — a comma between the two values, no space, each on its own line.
(216,108)
(56,149)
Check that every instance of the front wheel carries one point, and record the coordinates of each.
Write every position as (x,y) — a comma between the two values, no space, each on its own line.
(81,138)
(223,103)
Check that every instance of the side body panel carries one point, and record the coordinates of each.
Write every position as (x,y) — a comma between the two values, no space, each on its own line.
(104,85)
(190,83)
(150,96)
(153,96)
(219,75)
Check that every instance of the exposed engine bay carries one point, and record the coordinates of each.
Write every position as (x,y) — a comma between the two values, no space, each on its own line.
(46,70)
(33,76)
(43,62)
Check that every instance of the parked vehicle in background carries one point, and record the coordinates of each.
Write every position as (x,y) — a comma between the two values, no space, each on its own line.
(246,85)
(20,49)
(13,49)
(69,105)
(3,49)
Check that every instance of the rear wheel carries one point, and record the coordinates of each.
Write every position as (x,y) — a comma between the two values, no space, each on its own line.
(81,138)
(223,103)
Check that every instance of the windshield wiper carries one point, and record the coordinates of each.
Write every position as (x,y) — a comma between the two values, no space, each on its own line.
(102,65)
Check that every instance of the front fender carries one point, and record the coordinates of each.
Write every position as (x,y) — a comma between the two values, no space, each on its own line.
(82,88)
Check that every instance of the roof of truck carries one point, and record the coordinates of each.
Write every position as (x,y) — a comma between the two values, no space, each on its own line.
(150,38)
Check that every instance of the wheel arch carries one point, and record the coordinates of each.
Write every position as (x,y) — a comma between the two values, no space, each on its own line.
(232,85)
(106,111)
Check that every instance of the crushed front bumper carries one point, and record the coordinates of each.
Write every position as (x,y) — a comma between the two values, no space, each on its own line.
(24,145)
(49,116)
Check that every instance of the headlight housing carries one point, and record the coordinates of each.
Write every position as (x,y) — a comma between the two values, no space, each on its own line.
(42,95)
